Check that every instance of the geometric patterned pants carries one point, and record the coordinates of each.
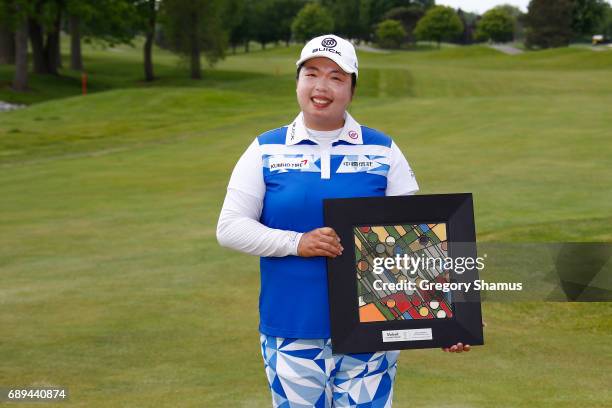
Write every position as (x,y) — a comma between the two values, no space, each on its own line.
(303,373)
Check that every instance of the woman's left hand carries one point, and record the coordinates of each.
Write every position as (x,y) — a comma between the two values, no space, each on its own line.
(457,348)
(460,347)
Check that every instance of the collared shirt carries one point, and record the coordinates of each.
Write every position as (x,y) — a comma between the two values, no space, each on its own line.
(291,174)
(297,132)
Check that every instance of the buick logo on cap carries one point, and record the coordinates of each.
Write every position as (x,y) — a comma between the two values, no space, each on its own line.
(329,42)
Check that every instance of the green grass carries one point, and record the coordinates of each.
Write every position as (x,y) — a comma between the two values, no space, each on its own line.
(113,284)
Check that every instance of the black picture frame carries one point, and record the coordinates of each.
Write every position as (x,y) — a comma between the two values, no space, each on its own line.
(348,333)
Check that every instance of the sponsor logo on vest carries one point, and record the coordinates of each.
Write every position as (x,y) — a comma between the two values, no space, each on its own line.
(361,163)
(288,163)
(353,135)
(329,42)
(358,163)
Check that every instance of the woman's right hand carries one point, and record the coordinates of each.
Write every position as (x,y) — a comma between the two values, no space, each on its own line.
(320,242)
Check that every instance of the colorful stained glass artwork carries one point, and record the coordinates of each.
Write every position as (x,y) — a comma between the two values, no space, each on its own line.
(378,302)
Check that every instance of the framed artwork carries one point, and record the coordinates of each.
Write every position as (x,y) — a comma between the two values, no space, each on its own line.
(406,276)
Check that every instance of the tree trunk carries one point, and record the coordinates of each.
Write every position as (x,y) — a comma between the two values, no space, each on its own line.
(20,81)
(46,54)
(7,46)
(196,72)
(51,52)
(52,48)
(58,55)
(38,46)
(263,45)
(148,57)
(76,58)
(247,46)
(148,46)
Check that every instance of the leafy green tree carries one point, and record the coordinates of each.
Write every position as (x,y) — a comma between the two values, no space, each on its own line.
(358,19)
(605,26)
(264,29)
(407,16)
(265,21)
(235,18)
(510,9)
(365,22)
(495,25)
(372,12)
(242,23)
(111,22)
(346,14)
(587,16)
(194,27)
(108,21)
(390,34)
(548,23)
(518,15)
(284,13)
(311,21)
(439,24)
(379,8)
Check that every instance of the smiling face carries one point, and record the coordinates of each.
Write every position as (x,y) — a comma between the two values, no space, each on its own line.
(323,93)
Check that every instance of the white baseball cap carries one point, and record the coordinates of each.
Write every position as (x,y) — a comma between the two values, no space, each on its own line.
(333,47)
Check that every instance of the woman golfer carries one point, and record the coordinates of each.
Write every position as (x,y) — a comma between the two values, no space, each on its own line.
(274,209)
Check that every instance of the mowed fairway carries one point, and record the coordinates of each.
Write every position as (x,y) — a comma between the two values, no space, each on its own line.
(113,285)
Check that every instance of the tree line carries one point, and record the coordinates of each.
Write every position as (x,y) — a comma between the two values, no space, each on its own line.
(547,23)
(209,28)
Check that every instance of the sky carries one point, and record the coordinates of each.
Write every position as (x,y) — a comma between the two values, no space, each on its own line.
(481,6)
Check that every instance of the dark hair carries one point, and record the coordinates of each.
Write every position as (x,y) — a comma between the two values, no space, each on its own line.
(353,77)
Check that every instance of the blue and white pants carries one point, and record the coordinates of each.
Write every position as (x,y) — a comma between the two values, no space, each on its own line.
(303,373)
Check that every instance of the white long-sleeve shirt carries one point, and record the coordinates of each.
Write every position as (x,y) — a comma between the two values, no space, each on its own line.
(239,227)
